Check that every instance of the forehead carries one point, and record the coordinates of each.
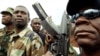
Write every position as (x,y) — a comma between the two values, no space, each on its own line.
(21,9)
(36,20)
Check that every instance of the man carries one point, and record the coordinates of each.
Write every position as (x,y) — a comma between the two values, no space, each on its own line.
(86,15)
(24,42)
(36,26)
(74,49)
(6,31)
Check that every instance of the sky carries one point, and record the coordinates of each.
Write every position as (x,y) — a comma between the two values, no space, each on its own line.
(53,8)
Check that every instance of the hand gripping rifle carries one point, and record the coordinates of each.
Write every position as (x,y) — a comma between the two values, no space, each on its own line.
(61,35)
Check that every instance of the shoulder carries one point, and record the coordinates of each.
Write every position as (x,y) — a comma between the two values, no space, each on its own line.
(41,34)
(37,37)
(2,29)
(37,41)
(34,37)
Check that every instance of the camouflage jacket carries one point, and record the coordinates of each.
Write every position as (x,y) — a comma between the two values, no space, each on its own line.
(72,51)
(22,45)
(5,40)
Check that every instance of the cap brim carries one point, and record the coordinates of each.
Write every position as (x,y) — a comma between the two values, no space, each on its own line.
(3,12)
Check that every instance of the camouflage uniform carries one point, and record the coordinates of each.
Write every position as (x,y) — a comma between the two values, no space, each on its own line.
(72,51)
(23,45)
(4,41)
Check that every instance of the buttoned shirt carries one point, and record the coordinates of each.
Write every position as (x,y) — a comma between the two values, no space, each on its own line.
(22,45)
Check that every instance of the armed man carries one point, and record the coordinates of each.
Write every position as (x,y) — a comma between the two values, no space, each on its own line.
(61,45)
(5,32)
(36,26)
(24,42)
(86,15)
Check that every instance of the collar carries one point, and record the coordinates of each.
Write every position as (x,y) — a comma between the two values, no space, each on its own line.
(23,32)
(71,49)
(7,32)
(20,34)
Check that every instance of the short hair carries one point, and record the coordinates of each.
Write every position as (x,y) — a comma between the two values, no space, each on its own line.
(35,18)
(24,8)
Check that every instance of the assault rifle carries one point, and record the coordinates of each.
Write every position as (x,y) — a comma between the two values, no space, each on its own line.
(61,45)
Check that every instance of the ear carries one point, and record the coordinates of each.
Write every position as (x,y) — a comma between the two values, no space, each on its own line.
(28,20)
(31,24)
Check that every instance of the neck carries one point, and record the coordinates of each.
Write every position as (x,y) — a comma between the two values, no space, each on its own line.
(19,29)
(36,31)
(10,27)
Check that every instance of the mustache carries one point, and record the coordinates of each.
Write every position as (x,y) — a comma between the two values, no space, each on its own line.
(19,19)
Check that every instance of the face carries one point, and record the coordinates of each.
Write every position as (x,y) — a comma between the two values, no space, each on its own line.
(6,19)
(36,25)
(87,29)
(21,17)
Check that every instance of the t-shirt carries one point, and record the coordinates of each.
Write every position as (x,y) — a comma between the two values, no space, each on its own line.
(42,36)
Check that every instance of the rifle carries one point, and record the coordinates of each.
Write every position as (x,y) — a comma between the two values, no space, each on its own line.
(61,45)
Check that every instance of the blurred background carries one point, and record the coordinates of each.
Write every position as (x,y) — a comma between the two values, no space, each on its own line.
(53,8)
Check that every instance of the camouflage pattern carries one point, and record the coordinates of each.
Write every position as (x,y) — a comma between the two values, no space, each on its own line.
(21,45)
(8,10)
(72,51)
(4,41)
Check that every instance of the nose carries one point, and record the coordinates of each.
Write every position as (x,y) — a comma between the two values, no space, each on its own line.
(37,25)
(82,20)
(19,14)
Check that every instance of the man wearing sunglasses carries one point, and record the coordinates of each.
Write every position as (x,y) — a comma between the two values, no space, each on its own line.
(86,16)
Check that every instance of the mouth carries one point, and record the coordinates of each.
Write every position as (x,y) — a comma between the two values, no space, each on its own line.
(85,37)
(19,20)
(84,33)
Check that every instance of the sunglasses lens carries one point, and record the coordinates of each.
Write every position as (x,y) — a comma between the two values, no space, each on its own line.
(88,14)
(75,17)
(91,13)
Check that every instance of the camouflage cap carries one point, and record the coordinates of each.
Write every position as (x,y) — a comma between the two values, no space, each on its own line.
(8,10)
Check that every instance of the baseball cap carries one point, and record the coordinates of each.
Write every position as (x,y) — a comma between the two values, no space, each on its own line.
(8,10)
(74,6)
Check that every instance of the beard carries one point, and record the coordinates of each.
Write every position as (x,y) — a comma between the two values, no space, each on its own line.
(7,23)
(20,25)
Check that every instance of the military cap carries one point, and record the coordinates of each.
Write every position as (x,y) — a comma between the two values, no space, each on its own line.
(74,6)
(8,10)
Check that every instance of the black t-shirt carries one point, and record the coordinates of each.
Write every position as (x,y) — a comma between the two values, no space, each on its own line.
(42,37)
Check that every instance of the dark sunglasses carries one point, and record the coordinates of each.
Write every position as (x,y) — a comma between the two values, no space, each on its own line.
(88,14)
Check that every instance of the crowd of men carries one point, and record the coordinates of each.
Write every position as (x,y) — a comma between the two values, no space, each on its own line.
(16,39)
